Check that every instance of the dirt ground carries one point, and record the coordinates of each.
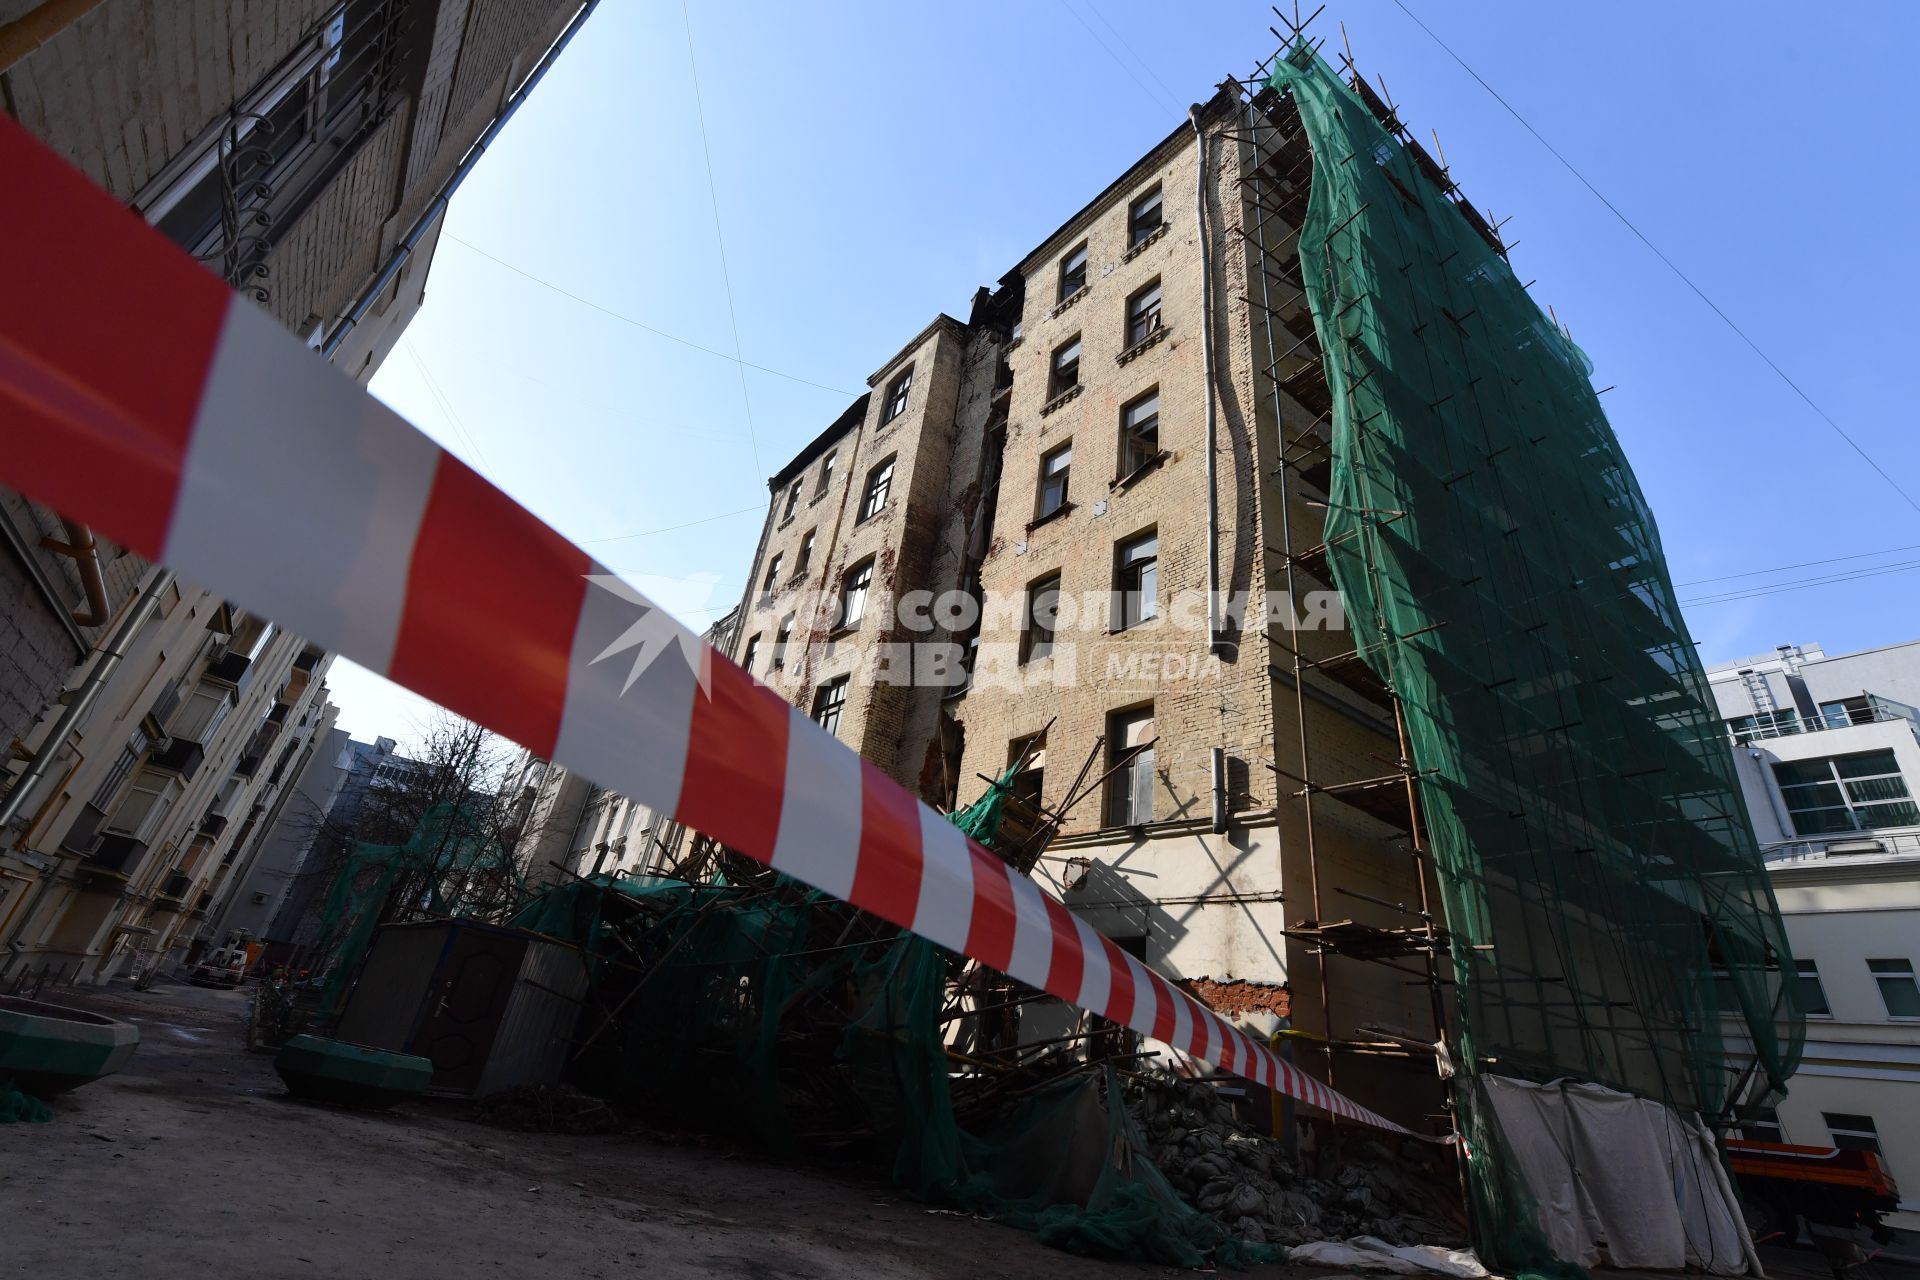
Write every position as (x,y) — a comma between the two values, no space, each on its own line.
(193,1162)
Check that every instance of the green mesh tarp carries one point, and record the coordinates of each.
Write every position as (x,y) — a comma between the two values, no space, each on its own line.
(749,1011)
(429,872)
(1502,573)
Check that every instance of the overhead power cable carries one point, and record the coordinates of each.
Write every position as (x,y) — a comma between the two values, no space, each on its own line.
(1671,265)
(641,324)
(726,276)
(1804,564)
(648,533)
(1769,589)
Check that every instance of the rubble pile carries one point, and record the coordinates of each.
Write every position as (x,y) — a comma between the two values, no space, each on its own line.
(1247,1183)
(547,1108)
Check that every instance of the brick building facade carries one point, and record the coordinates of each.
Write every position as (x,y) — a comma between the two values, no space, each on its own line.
(302,150)
(1057,441)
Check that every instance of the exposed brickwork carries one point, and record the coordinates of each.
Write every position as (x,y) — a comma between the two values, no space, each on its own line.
(1213,907)
(1236,999)
(130,84)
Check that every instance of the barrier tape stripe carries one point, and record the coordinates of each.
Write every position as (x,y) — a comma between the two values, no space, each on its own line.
(141,396)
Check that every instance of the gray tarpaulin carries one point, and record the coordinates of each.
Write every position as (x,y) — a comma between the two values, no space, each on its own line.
(1586,1152)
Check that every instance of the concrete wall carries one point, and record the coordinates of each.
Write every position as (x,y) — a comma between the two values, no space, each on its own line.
(1841,912)
(285,841)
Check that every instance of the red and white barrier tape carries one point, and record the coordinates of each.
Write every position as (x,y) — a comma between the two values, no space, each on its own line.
(141,396)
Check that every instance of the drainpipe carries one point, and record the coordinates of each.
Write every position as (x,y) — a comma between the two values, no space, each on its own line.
(78,705)
(81,701)
(85,554)
(1219,791)
(1217,643)
(438,205)
(17,542)
(37,26)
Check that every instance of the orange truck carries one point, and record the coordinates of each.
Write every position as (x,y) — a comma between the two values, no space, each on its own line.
(1780,1184)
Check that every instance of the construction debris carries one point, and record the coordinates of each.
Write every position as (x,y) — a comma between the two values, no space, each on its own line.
(1246,1181)
(547,1108)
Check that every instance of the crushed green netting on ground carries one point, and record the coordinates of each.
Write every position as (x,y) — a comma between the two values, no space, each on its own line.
(722,989)
(1503,574)
(17,1107)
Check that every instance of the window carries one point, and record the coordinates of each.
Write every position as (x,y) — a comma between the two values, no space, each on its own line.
(1856,792)
(1139,433)
(1030,753)
(828,700)
(897,392)
(1813,996)
(1073,272)
(826,475)
(1135,580)
(1043,612)
(288,135)
(750,654)
(1852,1132)
(1767,724)
(879,485)
(1897,987)
(853,596)
(773,573)
(1130,758)
(1760,1124)
(805,558)
(1054,467)
(781,638)
(1066,369)
(200,715)
(1144,218)
(793,502)
(1143,314)
(145,804)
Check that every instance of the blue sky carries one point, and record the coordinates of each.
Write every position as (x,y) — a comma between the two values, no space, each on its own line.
(874,163)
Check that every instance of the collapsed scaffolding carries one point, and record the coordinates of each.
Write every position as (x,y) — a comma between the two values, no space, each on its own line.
(1590,901)
(792,1020)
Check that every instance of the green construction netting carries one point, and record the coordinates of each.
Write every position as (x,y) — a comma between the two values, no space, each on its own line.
(1503,574)
(751,1009)
(431,872)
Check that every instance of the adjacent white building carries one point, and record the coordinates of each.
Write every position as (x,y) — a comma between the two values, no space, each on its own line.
(1828,752)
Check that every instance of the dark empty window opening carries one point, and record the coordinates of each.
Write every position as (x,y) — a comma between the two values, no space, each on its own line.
(1136,580)
(1139,433)
(1066,369)
(1030,755)
(1143,314)
(1055,468)
(828,701)
(1043,615)
(853,596)
(879,486)
(1144,217)
(1130,757)
(897,392)
(1073,272)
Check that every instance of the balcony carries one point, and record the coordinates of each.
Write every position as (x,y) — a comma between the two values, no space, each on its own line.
(278,715)
(82,836)
(231,668)
(113,860)
(249,764)
(181,756)
(308,660)
(173,894)
(1844,714)
(213,824)
(201,904)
